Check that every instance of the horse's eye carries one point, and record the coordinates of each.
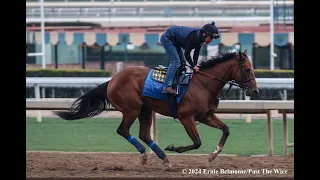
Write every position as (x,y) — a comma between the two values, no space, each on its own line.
(248,70)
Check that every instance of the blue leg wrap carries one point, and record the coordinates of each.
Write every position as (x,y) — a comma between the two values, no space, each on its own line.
(155,148)
(136,144)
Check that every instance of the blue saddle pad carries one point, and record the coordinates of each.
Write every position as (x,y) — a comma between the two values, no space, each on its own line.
(154,84)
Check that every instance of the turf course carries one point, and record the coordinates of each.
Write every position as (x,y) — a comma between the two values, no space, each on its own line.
(96,135)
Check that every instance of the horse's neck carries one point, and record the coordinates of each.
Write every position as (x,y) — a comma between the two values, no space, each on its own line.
(220,71)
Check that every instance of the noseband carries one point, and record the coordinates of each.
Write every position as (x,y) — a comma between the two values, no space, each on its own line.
(243,81)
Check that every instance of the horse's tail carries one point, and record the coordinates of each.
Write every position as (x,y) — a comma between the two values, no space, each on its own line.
(90,104)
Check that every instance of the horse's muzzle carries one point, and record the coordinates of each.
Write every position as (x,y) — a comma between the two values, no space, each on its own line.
(252,93)
(255,92)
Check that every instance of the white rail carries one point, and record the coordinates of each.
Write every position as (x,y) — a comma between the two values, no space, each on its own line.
(225,106)
(278,83)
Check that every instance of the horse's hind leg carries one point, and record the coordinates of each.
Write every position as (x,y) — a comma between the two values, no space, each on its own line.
(215,122)
(124,128)
(145,118)
(191,128)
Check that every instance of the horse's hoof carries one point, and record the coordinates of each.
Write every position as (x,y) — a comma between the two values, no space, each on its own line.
(169,148)
(167,163)
(144,158)
(212,156)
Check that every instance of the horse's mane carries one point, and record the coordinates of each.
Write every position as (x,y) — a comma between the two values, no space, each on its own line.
(220,57)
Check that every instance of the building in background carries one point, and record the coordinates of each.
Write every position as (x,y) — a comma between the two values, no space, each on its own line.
(97,34)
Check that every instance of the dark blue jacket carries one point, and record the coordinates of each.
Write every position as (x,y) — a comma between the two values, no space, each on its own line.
(188,39)
(179,34)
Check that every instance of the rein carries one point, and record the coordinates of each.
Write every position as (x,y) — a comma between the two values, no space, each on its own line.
(231,83)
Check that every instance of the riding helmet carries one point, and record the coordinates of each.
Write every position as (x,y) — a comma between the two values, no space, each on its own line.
(211,30)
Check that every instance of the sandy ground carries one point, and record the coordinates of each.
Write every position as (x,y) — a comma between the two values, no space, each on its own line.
(109,165)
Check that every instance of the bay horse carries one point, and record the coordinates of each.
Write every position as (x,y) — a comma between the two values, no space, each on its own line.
(124,93)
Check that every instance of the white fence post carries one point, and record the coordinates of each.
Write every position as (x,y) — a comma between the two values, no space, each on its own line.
(226,106)
(153,130)
(248,116)
(37,96)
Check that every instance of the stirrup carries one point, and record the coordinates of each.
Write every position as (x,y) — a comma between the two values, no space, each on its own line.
(163,67)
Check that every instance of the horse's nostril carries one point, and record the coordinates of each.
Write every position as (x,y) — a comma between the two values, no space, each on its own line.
(255,91)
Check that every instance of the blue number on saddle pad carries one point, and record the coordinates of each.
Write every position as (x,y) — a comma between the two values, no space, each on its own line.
(154,84)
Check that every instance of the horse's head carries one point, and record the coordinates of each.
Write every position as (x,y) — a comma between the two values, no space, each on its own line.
(228,67)
(242,73)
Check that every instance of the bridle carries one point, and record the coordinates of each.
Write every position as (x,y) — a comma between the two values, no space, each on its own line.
(231,83)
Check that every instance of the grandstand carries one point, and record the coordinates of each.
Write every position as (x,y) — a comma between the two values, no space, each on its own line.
(129,30)
(82,36)
(161,12)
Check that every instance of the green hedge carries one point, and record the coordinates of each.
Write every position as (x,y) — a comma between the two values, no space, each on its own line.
(100,73)
(66,73)
(72,92)
(259,73)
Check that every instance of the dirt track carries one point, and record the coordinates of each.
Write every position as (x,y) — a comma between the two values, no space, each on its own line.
(55,164)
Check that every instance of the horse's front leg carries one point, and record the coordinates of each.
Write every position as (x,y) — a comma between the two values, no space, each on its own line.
(213,121)
(191,128)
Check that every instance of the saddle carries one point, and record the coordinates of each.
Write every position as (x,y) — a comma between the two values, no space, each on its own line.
(180,83)
(181,77)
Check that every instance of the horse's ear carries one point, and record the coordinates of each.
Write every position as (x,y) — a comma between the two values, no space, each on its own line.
(240,55)
(246,52)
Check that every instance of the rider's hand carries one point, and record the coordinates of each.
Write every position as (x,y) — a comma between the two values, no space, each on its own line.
(196,68)
(183,68)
